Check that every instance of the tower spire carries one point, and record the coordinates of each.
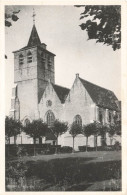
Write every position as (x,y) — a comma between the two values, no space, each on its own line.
(34,38)
(33,16)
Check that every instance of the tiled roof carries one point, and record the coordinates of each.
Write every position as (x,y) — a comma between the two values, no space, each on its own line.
(62,92)
(101,96)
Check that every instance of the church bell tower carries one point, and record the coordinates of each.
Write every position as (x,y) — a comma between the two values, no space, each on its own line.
(33,67)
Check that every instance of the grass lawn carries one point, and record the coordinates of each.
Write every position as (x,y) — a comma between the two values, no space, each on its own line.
(89,156)
(80,171)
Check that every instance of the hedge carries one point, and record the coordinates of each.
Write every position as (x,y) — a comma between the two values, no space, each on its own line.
(116,146)
(28,149)
(66,149)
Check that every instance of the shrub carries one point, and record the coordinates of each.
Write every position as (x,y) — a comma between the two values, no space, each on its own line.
(54,149)
(83,148)
(66,149)
(26,149)
(117,146)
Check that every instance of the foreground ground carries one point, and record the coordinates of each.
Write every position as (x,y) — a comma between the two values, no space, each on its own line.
(81,171)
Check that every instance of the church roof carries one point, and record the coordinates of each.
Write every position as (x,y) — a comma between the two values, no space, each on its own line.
(34,41)
(34,38)
(101,96)
(62,92)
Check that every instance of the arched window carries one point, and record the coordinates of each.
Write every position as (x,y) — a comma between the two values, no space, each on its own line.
(78,120)
(27,122)
(100,115)
(29,57)
(21,59)
(115,116)
(50,118)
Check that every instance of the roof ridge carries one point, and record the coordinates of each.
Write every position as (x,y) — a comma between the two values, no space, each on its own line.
(60,86)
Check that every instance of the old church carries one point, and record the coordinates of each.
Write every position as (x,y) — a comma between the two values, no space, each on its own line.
(35,95)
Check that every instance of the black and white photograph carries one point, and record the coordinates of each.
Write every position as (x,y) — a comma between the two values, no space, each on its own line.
(63,97)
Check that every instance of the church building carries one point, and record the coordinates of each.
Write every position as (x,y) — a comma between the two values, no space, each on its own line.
(35,94)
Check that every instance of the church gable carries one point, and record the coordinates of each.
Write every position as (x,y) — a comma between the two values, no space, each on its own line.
(78,93)
(79,102)
(50,102)
(48,93)
(55,90)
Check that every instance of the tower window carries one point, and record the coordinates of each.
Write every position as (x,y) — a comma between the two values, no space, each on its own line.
(49,60)
(29,57)
(50,118)
(21,59)
(78,120)
(43,58)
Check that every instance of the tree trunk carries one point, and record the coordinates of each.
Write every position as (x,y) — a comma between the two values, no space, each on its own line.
(110,141)
(56,144)
(7,150)
(95,141)
(73,144)
(40,140)
(15,139)
(21,139)
(34,146)
(86,144)
(9,140)
(102,140)
(57,140)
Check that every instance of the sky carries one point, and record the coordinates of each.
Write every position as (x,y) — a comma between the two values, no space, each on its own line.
(58,27)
